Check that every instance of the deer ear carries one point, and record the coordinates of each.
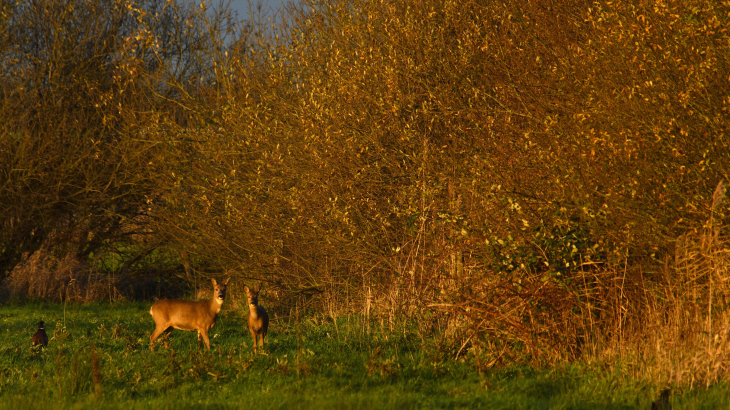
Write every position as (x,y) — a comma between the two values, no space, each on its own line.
(213,281)
(226,282)
(261,285)
(246,288)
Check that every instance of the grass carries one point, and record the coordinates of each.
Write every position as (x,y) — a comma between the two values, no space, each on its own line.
(99,357)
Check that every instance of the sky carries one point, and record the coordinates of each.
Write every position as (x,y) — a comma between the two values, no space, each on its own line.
(241,6)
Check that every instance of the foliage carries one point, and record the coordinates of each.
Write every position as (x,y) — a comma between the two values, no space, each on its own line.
(516,165)
(84,84)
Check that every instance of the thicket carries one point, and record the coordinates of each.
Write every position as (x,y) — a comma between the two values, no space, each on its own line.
(536,181)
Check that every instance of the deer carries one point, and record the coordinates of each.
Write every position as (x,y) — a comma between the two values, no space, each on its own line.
(185,315)
(258,319)
(40,337)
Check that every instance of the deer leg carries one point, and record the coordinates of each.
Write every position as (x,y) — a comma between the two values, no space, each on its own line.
(158,331)
(253,335)
(204,335)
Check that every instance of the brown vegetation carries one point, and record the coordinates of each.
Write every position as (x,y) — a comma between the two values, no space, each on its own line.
(538,182)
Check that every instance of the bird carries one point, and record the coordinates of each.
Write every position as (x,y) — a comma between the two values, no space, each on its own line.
(663,403)
(40,337)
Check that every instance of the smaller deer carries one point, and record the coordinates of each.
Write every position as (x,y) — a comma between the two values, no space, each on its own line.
(184,315)
(40,337)
(258,319)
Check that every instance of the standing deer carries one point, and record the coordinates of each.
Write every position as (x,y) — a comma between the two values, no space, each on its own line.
(40,337)
(258,319)
(184,315)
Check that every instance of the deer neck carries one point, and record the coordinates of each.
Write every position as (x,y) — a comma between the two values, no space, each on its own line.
(254,311)
(216,305)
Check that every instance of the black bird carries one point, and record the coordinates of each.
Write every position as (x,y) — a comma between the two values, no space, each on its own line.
(663,402)
(40,337)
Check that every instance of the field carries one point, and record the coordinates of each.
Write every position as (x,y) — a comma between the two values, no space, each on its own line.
(99,357)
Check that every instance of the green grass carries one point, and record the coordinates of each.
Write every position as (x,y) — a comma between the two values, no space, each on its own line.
(312,364)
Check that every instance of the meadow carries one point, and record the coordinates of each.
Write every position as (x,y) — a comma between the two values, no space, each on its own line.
(99,357)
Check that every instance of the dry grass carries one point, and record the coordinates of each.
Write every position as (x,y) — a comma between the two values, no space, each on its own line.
(669,324)
(44,275)
(690,309)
